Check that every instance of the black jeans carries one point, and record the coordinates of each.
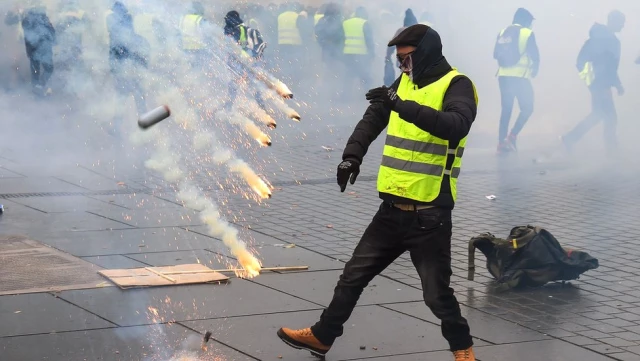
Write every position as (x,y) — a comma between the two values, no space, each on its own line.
(512,88)
(426,234)
(602,109)
(41,62)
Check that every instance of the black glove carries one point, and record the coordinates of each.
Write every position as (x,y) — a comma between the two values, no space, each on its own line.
(384,95)
(347,170)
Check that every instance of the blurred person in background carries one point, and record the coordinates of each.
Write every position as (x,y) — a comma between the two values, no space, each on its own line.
(290,49)
(389,64)
(330,36)
(14,45)
(195,30)
(39,39)
(146,23)
(429,112)
(71,27)
(128,52)
(359,49)
(598,63)
(518,59)
(252,47)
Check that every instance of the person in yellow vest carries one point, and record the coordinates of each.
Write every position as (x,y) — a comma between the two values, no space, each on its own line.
(359,47)
(195,31)
(519,60)
(598,63)
(428,113)
(290,49)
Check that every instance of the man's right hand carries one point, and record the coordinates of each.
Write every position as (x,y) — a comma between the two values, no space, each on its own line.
(348,171)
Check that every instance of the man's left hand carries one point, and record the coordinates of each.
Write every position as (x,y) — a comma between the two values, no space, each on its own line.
(384,95)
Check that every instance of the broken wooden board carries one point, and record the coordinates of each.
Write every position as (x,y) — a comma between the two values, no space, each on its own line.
(163,276)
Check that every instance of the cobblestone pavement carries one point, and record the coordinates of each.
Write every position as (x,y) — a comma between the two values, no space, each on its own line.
(132,220)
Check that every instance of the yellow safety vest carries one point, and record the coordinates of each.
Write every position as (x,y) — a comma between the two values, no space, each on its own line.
(253,23)
(192,38)
(288,33)
(414,161)
(523,69)
(587,74)
(354,36)
(317,18)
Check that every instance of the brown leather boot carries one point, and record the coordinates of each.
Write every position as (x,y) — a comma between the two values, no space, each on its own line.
(303,340)
(464,355)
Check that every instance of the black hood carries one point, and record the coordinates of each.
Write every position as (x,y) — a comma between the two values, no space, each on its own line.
(523,17)
(429,64)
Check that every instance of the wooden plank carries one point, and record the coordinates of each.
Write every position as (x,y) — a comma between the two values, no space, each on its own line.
(156,276)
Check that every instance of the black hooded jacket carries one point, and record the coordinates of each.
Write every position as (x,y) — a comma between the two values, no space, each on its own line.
(453,123)
(602,49)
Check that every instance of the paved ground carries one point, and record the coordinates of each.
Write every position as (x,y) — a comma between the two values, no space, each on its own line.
(111,215)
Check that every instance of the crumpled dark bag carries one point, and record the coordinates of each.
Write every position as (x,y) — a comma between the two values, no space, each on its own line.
(529,257)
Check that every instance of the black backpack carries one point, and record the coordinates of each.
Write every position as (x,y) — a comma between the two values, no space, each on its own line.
(529,257)
(507,49)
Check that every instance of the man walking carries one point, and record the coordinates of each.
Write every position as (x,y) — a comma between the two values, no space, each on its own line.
(598,63)
(517,54)
(429,111)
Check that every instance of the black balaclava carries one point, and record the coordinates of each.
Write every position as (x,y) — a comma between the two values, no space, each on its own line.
(428,58)
(232,20)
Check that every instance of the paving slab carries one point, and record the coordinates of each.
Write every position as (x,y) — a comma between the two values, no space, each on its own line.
(125,241)
(147,218)
(555,350)
(369,326)
(5,173)
(36,185)
(189,302)
(486,327)
(113,262)
(318,287)
(92,181)
(64,204)
(277,256)
(427,356)
(207,258)
(136,201)
(142,343)
(43,313)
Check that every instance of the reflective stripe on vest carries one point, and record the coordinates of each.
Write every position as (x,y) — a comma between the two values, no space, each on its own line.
(354,36)
(587,75)
(414,162)
(523,68)
(317,18)
(191,33)
(288,33)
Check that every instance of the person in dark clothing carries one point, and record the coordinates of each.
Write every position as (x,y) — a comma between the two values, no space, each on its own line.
(406,223)
(519,60)
(252,45)
(127,50)
(389,68)
(330,35)
(598,63)
(39,39)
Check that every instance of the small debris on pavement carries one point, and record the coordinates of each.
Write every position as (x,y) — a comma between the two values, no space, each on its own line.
(120,183)
(279,356)
(491,197)
(17,311)
(1,209)
(375,348)
(328,149)
(363,347)
(207,337)
(102,284)
(329,226)
(290,246)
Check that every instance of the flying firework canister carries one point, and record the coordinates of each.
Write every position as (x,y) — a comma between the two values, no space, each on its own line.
(154,117)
